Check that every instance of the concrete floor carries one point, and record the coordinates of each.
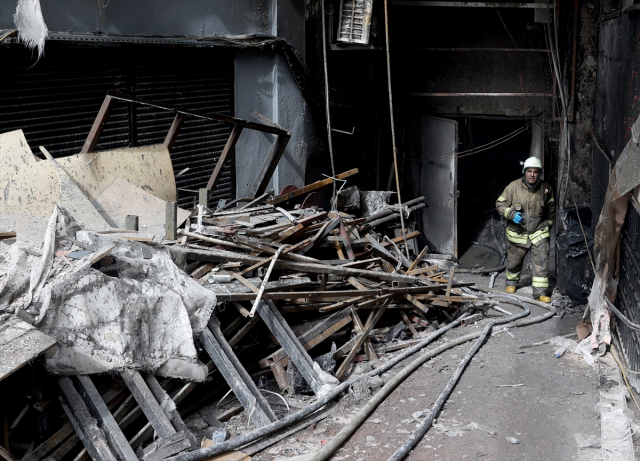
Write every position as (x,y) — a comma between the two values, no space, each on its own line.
(554,414)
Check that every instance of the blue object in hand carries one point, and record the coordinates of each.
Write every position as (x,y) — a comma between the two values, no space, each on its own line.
(517,218)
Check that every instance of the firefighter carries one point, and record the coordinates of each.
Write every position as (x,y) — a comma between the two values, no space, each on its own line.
(529,207)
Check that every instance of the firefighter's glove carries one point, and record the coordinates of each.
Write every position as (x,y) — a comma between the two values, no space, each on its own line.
(517,218)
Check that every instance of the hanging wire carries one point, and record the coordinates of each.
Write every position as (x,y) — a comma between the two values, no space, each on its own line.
(326,94)
(482,148)
(393,130)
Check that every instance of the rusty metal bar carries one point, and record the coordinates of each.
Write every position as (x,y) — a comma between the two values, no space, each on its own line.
(224,157)
(176,126)
(269,165)
(98,124)
(197,114)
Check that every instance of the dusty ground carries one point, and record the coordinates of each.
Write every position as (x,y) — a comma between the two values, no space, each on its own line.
(553,414)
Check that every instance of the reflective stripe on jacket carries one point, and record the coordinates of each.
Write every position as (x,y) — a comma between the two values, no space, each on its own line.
(537,207)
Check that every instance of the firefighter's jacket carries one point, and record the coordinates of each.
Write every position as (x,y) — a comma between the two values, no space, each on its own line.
(537,207)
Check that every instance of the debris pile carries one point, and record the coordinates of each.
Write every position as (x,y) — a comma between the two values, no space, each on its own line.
(137,307)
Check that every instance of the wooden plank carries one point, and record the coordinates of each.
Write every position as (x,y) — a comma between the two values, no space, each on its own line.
(415,263)
(20,343)
(209,255)
(72,441)
(269,165)
(359,328)
(311,187)
(314,336)
(280,329)
(452,272)
(224,157)
(410,235)
(371,322)
(49,444)
(164,448)
(236,376)
(98,124)
(202,270)
(101,413)
(337,294)
(84,424)
(148,403)
(347,243)
(416,303)
(408,323)
(277,368)
(165,402)
(171,221)
(422,271)
(174,130)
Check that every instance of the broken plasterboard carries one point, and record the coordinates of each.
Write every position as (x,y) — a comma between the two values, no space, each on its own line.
(34,188)
(121,198)
(147,167)
(74,201)
(14,150)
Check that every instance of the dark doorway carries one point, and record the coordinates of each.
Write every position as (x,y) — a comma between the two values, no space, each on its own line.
(483,173)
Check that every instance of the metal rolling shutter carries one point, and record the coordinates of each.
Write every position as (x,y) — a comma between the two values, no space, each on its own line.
(55,102)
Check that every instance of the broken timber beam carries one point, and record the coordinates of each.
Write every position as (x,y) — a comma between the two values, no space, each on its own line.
(346,294)
(371,322)
(169,407)
(312,337)
(226,256)
(235,375)
(85,425)
(148,403)
(101,413)
(311,187)
(287,339)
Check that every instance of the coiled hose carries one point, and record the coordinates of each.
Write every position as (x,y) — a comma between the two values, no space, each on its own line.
(379,397)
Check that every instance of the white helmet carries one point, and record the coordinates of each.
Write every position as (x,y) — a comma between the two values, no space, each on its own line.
(532,162)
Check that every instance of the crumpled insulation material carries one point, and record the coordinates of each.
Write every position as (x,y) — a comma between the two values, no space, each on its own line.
(142,313)
(32,29)
(373,201)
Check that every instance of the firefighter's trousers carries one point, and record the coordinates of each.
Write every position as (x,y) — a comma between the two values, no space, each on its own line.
(515,258)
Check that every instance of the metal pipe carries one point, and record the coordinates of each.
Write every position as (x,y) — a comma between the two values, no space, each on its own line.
(264,282)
